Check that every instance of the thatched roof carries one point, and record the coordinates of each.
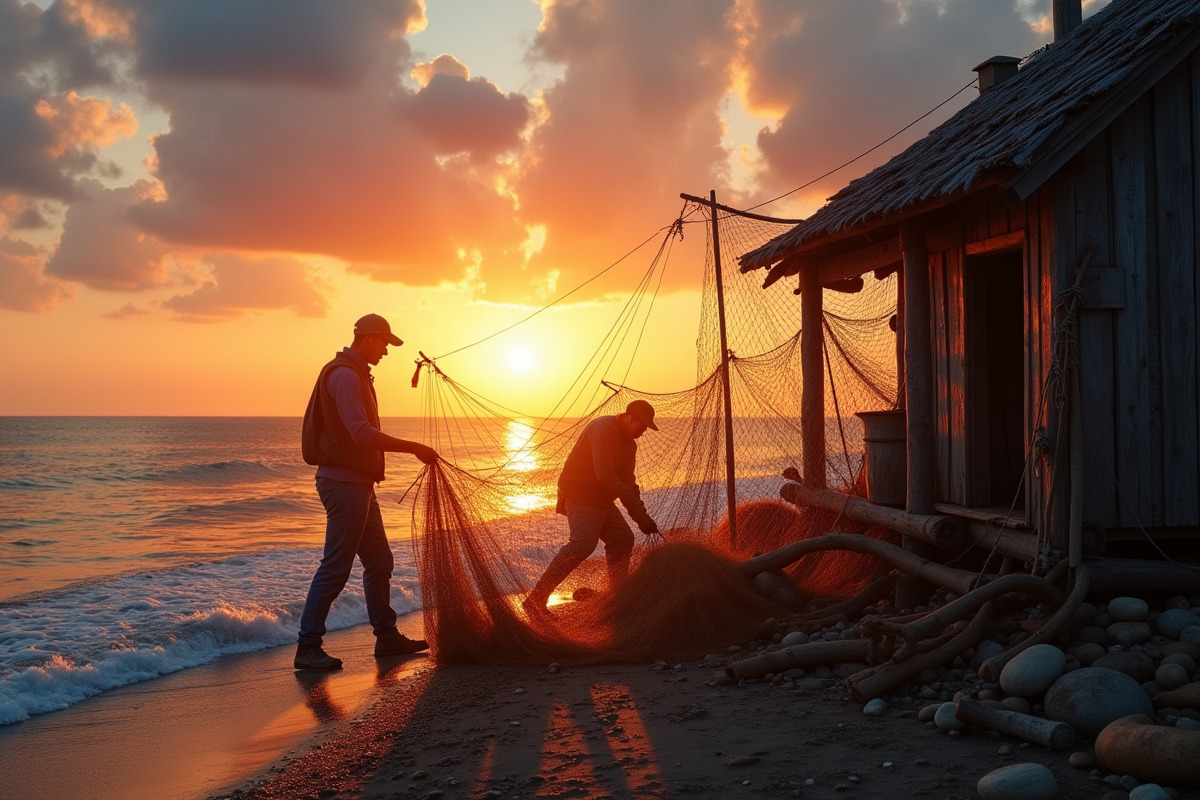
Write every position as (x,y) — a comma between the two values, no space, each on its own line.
(1015,135)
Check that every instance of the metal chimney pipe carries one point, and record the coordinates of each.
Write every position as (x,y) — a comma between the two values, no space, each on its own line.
(1068,14)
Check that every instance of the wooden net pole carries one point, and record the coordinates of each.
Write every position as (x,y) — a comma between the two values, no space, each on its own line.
(730,486)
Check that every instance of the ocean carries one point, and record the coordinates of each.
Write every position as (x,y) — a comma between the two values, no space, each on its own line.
(134,547)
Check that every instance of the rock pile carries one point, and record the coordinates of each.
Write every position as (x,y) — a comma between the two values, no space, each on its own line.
(1122,675)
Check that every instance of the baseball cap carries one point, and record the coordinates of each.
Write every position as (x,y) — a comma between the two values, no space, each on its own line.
(643,412)
(373,324)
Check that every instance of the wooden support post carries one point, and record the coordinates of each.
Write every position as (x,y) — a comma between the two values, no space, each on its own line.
(901,400)
(812,362)
(918,394)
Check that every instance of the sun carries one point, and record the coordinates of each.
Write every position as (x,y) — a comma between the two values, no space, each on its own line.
(521,361)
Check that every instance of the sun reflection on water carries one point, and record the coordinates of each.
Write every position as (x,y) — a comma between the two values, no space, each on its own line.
(520,450)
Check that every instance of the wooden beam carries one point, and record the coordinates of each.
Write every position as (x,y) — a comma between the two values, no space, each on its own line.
(996,244)
(940,531)
(812,376)
(853,263)
(918,370)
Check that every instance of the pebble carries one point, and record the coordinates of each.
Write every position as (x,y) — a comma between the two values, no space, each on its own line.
(1089,652)
(795,638)
(1090,698)
(926,713)
(1149,791)
(1128,609)
(1017,704)
(1171,622)
(1081,760)
(554,667)
(1190,634)
(1182,659)
(1170,676)
(1018,782)
(1030,672)
(1127,634)
(875,707)
(945,718)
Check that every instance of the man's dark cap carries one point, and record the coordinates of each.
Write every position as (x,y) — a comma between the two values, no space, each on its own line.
(373,324)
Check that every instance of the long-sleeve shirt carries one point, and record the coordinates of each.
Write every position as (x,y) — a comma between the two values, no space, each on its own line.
(600,469)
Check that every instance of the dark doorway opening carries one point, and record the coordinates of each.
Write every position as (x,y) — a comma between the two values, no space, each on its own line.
(995,319)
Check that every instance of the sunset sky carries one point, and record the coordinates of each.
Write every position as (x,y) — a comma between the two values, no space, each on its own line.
(199,197)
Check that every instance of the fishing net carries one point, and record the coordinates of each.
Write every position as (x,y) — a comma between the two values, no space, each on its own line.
(484,526)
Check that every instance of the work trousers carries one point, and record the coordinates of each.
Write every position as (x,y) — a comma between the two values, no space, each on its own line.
(353,527)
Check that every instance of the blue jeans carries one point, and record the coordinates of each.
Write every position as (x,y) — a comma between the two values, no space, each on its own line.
(353,527)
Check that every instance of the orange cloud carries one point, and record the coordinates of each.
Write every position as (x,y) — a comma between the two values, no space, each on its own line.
(240,285)
(23,286)
(84,121)
(444,64)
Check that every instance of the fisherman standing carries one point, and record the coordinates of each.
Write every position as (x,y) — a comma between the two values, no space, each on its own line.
(342,438)
(599,470)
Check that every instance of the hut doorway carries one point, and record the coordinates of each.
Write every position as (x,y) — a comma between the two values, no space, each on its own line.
(996,391)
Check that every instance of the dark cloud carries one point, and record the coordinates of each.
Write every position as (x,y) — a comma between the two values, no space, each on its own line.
(99,246)
(23,286)
(299,42)
(240,285)
(467,116)
(843,76)
(30,218)
(27,164)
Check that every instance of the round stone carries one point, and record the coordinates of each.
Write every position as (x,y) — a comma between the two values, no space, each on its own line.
(795,638)
(1089,652)
(1170,676)
(1082,760)
(945,718)
(1138,666)
(1091,633)
(1090,698)
(1128,609)
(1149,791)
(1031,671)
(1019,704)
(1127,633)
(1190,634)
(875,707)
(1171,622)
(1182,659)
(1018,782)
(985,650)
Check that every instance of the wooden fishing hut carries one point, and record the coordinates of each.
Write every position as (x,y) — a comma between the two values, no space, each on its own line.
(1046,238)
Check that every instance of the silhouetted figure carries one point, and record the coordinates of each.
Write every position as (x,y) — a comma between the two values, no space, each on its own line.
(342,438)
(599,470)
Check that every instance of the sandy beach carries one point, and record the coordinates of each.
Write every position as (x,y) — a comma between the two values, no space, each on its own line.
(642,730)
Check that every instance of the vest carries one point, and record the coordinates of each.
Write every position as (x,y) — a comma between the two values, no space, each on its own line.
(325,440)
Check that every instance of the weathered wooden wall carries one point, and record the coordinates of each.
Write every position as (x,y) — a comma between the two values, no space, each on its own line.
(1133,195)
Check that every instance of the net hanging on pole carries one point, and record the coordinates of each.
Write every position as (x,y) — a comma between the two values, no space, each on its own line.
(484,523)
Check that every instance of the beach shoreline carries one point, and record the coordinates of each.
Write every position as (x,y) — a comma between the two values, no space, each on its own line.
(641,730)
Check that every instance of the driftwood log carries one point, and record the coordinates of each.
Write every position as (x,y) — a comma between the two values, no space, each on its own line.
(937,621)
(813,654)
(959,581)
(1054,735)
(851,607)
(1135,746)
(939,531)
(990,669)
(875,681)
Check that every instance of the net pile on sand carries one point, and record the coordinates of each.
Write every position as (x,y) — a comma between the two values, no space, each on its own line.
(483,529)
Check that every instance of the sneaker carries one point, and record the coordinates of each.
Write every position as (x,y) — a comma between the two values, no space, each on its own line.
(395,643)
(312,657)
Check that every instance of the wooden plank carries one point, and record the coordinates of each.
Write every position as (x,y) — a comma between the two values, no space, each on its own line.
(1096,352)
(970,373)
(1036,331)
(1130,166)
(941,371)
(856,262)
(996,244)
(1176,222)
(1103,288)
(956,376)
(918,358)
